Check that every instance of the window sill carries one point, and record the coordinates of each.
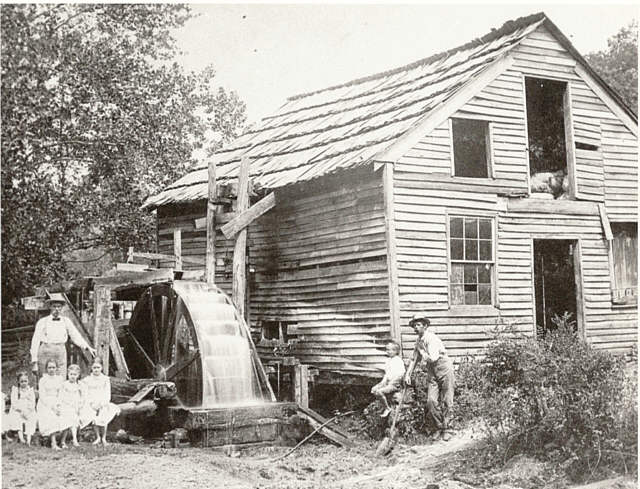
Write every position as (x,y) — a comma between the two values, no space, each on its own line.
(465,311)
(630,304)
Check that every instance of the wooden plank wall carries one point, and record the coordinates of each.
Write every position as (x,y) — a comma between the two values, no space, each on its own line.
(606,326)
(319,261)
(330,276)
(608,174)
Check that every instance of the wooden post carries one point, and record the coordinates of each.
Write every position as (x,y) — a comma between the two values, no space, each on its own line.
(392,260)
(177,248)
(301,385)
(102,326)
(239,288)
(210,258)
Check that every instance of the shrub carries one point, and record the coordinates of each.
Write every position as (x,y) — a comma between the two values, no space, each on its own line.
(558,394)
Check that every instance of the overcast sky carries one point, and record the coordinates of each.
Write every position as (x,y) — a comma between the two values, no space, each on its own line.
(267,52)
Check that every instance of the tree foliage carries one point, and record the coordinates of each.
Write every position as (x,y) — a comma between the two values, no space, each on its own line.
(95,118)
(618,64)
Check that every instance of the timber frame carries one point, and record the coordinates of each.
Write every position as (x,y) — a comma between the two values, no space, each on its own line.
(349,232)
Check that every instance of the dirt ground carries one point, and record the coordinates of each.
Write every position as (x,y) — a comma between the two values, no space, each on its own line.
(314,465)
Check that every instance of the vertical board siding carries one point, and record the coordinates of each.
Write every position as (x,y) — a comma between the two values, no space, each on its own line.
(319,263)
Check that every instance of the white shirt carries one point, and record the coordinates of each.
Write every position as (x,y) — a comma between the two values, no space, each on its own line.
(49,330)
(394,369)
(431,347)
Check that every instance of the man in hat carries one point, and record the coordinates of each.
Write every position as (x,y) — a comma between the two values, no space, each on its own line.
(441,380)
(50,338)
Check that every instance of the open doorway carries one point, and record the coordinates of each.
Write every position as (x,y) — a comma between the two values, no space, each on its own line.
(554,275)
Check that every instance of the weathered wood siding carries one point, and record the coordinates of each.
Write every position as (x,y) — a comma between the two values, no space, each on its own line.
(425,193)
(320,260)
(319,263)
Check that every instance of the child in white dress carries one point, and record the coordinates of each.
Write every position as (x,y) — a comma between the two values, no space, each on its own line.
(48,409)
(72,400)
(22,415)
(98,396)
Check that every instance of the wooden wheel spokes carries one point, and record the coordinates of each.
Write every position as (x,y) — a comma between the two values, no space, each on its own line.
(186,368)
(150,331)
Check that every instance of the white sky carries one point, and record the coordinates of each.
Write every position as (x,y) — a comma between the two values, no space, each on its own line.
(267,52)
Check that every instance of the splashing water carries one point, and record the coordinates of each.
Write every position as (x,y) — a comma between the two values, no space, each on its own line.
(229,367)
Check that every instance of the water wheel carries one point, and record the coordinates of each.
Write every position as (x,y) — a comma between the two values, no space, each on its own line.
(191,334)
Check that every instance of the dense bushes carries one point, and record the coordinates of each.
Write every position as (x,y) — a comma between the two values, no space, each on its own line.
(558,394)
(555,397)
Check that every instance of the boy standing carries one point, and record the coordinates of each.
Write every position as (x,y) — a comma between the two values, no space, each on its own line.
(441,380)
(394,371)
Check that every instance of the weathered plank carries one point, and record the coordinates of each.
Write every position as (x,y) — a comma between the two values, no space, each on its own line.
(239,286)
(247,216)
(210,255)
(103,327)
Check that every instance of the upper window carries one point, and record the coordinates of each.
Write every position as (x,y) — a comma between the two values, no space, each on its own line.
(472,263)
(547,140)
(625,262)
(470,148)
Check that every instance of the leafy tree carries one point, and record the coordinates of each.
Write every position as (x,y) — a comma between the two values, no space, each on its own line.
(618,64)
(95,118)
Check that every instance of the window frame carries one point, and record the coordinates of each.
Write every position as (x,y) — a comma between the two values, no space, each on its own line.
(494,305)
(622,302)
(488,138)
(569,134)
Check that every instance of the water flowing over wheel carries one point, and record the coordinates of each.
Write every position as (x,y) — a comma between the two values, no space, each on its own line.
(191,334)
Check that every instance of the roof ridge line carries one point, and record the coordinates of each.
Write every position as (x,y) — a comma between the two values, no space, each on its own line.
(507,27)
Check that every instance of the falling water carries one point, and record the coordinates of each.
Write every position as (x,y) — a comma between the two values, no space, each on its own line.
(229,371)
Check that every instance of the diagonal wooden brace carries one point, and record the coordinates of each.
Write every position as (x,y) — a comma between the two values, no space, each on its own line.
(242,220)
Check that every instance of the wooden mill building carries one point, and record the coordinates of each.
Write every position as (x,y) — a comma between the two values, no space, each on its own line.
(495,183)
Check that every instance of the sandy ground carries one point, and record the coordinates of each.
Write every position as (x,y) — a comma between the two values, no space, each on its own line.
(316,465)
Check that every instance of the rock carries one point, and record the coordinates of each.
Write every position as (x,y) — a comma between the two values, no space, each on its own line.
(122,436)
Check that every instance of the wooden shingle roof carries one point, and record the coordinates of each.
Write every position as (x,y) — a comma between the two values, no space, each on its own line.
(348,125)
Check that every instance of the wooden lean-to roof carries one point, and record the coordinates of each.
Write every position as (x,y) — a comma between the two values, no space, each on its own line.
(356,123)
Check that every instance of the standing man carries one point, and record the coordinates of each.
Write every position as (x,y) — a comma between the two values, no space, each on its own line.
(50,338)
(441,380)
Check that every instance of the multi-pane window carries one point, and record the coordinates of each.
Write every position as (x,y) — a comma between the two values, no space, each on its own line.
(471,256)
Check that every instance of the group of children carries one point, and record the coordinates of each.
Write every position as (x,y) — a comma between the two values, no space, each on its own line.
(63,407)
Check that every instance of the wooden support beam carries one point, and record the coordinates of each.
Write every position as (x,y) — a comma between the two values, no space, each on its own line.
(392,261)
(210,257)
(128,279)
(163,256)
(565,207)
(177,248)
(118,355)
(243,219)
(606,225)
(239,286)
(103,327)
(301,385)
(146,407)
(34,303)
(316,421)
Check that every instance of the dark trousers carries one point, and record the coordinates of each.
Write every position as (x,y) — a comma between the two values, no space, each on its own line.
(440,392)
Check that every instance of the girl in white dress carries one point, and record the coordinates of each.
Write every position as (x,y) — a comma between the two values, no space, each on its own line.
(98,396)
(22,415)
(72,399)
(48,409)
